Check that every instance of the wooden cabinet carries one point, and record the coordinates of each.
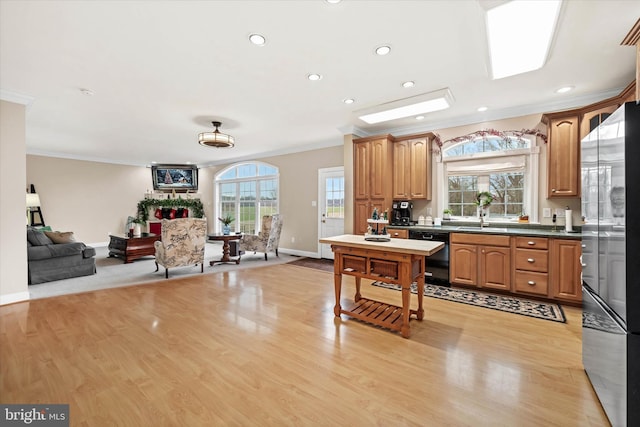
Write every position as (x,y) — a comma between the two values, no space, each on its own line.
(591,119)
(372,181)
(563,157)
(463,264)
(565,270)
(531,265)
(479,260)
(412,167)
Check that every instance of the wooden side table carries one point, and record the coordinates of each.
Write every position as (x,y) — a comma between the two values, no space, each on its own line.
(226,252)
(130,248)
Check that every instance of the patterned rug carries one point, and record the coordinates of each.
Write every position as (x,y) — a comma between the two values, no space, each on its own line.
(525,307)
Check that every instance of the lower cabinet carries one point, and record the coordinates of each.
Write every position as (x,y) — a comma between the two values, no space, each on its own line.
(536,266)
(566,270)
(478,260)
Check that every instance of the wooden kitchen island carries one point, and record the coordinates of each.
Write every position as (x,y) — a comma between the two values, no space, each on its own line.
(399,261)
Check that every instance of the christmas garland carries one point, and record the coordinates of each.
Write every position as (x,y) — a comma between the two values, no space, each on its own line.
(507,135)
(195,205)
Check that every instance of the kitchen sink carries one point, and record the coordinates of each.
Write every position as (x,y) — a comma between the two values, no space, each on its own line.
(486,229)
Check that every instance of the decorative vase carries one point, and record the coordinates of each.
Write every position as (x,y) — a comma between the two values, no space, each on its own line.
(137,230)
(226,230)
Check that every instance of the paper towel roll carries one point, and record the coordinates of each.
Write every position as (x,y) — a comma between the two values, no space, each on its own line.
(568,226)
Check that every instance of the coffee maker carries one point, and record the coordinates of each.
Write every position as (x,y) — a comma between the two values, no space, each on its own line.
(401,212)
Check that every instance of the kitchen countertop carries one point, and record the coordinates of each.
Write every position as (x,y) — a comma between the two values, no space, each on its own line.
(514,229)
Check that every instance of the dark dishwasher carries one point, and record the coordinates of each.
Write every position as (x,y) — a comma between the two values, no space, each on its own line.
(437,265)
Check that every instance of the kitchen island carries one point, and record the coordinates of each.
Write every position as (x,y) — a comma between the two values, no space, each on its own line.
(398,261)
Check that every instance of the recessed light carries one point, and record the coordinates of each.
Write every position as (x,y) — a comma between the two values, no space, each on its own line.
(481,109)
(257,39)
(333,1)
(564,89)
(408,84)
(419,117)
(383,50)
(314,77)
(87,92)
(348,101)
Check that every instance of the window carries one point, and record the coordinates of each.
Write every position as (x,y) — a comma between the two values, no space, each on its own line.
(506,167)
(247,191)
(335,197)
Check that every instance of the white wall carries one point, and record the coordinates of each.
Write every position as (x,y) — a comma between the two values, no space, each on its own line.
(13,239)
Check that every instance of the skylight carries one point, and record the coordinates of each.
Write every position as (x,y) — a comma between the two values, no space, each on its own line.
(519,34)
(412,106)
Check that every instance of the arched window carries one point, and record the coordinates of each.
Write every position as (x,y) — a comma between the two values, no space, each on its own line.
(506,167)
(247,191)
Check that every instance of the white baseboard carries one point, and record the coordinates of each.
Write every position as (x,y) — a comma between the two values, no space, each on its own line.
(299,253)
(16,297)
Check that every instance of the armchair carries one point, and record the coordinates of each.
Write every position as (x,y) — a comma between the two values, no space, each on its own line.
(182,243)
(267,239)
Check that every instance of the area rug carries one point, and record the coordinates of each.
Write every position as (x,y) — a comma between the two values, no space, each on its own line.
(525,307)
(323,264)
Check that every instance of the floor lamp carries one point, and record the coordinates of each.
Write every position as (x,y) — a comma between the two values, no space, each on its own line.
(33,207)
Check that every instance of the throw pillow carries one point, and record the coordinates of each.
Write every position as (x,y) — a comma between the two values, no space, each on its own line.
(60,236)
(37,237)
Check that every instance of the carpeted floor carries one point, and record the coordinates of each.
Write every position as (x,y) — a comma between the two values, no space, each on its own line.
(113,272)
(523,306)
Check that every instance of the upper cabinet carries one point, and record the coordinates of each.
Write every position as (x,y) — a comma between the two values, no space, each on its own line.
(563,157)
(412,167)
(565,130)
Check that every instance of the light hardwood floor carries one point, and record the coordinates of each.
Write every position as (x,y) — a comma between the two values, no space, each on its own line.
(261,347)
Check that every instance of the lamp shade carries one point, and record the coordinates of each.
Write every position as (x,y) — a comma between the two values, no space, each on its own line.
(33,200)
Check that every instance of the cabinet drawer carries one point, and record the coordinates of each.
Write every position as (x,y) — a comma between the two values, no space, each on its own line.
(532,242)
(399,234)
(532,283)
(532,260)
(480,239)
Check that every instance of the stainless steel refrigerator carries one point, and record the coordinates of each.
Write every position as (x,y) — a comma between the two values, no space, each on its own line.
(610,163)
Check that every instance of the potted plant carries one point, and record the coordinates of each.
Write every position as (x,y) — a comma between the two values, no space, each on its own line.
(226,220)
(446,214)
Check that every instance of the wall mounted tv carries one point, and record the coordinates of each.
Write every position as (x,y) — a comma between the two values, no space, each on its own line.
(175,177)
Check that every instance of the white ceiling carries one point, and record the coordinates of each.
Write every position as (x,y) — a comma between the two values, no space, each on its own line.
(161,71)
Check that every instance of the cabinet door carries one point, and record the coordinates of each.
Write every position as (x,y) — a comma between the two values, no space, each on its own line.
(362,211)
(401,170)
(566,269)
(463,264)
(495,267)
(379,168)
(420,182)
(361,170)
(592,119)
(563,158)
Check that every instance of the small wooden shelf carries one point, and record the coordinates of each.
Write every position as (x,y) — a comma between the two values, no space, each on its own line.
(377,313)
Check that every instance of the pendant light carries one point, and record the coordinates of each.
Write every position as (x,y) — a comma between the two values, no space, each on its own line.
(216,138)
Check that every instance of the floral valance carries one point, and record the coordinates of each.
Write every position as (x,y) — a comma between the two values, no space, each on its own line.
(507,135)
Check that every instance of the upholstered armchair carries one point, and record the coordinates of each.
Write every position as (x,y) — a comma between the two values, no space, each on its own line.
(267,239)
(182,243)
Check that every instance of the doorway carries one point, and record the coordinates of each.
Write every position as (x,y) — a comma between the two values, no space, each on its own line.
(331,206)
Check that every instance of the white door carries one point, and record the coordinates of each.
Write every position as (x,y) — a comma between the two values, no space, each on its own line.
(331,206)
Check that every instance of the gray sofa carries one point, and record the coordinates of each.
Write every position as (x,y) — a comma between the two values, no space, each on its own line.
(50,261)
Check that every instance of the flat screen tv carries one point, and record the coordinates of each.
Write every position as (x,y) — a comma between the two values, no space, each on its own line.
(175,177)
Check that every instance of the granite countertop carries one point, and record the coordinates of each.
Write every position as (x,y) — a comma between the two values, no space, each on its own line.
(511,229)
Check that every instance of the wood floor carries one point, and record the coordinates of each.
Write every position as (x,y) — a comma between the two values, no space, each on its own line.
(261,347)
